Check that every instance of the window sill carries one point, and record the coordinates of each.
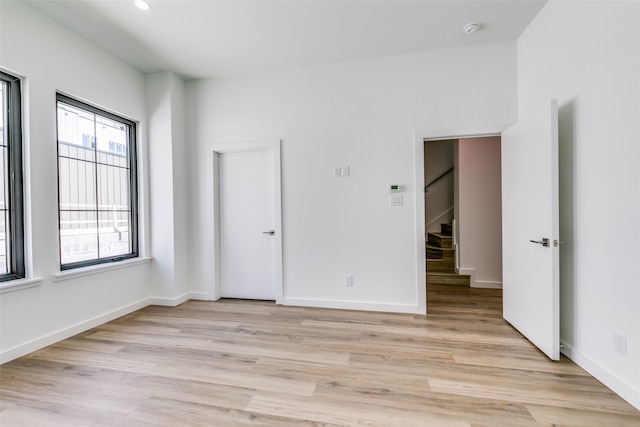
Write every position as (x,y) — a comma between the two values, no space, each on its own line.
(17,285)
(96,269)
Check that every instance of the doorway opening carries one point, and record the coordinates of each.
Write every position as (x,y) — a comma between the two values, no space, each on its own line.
(462,211)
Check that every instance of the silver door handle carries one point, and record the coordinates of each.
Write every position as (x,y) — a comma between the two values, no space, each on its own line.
(269,232)
(544,242)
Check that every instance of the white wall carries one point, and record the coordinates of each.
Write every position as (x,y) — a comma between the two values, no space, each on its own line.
(55,59)
(479,210)
(361,114)
(169,192)
(586,54)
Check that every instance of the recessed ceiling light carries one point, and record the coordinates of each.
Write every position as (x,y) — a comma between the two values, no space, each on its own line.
(471,27)
(141,4)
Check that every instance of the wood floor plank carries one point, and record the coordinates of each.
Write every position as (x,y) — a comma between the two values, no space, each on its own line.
(553,415)
(284,351)
(252,363)
(526,361)
(30,416)
(86,345)
(469,409)
(347,413)
(167,412)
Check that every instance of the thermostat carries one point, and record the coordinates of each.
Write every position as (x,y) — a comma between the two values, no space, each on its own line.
(395,188)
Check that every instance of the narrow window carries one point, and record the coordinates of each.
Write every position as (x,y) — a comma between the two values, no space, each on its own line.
(97,185)
(11,191)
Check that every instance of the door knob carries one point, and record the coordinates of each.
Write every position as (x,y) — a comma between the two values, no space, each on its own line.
(269,232)
(544,242)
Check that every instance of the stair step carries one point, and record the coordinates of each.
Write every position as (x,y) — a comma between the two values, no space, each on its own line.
(441,265)
(446,229)
(448,278)
(439,240)
(439,250)
(434,252)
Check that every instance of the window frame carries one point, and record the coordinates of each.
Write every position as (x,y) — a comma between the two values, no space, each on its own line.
(15,170)
(133,183)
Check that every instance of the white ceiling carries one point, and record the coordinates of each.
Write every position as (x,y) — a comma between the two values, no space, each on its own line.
(209,38)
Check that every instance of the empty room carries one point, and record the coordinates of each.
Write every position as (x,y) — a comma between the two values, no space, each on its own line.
(336,213)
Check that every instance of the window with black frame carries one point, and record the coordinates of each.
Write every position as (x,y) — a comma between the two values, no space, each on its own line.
(12,261)
(97,185)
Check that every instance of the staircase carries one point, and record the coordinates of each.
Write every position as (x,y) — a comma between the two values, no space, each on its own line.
(441,258)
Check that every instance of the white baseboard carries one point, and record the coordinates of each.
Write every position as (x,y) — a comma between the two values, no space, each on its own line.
(202,296)
(37,344)
(617,385)
(475,283)
(173,302)
(352,305)
(487,284)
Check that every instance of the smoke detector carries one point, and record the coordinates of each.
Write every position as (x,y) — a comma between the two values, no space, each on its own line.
(471,28)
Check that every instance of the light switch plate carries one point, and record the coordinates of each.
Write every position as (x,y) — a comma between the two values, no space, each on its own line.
(395,200)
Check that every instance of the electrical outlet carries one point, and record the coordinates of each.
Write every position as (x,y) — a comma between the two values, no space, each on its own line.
(337,172)
(620,344)
(346,170)
(348,280)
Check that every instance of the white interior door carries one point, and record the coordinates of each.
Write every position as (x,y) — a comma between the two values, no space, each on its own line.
(531,291)
(247,225)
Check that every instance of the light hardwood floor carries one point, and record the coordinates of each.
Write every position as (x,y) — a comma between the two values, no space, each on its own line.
(248,363)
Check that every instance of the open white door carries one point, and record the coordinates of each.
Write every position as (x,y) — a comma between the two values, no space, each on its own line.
(530,205)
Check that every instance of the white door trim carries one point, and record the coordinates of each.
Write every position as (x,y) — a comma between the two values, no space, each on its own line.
(213,213)
(419,137)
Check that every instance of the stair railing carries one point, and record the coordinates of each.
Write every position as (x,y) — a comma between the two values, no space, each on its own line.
(426,188)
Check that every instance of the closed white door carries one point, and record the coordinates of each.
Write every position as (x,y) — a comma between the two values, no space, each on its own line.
(247,225)
(530,228)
